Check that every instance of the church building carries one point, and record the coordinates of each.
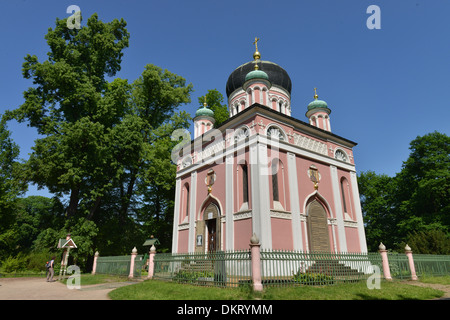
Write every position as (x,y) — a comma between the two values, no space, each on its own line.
(292,183)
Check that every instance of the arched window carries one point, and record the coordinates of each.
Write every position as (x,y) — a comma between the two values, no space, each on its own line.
(346,200)
(278,181)
(242,187)
(244,168)
(185,203)
(187,200)
(249,97)
(275,172)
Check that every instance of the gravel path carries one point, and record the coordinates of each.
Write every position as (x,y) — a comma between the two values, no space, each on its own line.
(40,289)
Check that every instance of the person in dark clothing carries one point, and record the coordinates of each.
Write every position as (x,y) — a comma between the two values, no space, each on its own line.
(51,270)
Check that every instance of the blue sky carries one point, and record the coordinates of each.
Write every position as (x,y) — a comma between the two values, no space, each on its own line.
(384,86)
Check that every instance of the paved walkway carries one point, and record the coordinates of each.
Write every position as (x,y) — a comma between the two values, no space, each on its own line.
(40,289)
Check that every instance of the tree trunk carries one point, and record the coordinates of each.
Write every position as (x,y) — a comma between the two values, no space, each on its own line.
(73,203)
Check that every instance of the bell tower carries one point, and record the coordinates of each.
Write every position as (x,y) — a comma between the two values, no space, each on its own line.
(318,113)
(203,121)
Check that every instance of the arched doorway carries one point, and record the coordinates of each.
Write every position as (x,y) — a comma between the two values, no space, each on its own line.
(208,230)
(317,221)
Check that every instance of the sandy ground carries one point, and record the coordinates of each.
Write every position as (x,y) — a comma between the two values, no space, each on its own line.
(40,289)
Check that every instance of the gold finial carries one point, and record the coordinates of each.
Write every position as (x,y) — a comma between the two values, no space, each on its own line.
(315,93)
(204,103)
(256,55)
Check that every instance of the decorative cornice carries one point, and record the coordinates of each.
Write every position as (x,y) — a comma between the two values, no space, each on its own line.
(183,226)
(242,215)
(280,214)
(350,224)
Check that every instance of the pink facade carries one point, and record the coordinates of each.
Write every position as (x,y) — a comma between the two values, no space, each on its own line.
(292,183)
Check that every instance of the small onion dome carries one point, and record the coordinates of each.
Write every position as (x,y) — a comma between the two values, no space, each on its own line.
(204,111)
(256,74)
(317,104)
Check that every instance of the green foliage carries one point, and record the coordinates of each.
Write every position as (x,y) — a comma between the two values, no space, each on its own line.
(11,186)
(313,279)
(378,199)
(190,276)
(431,241)
(412,206)
(214,100)
(13,264)
(104,147)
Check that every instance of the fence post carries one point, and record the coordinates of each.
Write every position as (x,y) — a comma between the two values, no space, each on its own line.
(94,266)
(408,253)
(384,258)
(151,263)
(255,247)
(133,256)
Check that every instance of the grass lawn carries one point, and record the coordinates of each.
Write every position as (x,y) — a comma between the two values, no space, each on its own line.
(159,290)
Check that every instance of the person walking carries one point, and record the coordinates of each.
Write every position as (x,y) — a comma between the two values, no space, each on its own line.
(51,270)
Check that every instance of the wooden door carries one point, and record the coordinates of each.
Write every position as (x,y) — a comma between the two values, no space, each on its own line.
(318,227)
(212,235)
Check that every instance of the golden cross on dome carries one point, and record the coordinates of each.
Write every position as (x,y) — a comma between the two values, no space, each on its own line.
(256,43)
(256,55)
(315,93)
(204,103)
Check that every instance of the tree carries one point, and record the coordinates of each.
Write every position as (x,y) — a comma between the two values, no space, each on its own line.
(11,187)
(74,108)
(378,208)
(214,100)
(413,205)
(106,145)
(33,215)
(424,181)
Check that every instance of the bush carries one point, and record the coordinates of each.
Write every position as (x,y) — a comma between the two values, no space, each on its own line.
(36,260)
(310,278)
(11,264)
(192,276)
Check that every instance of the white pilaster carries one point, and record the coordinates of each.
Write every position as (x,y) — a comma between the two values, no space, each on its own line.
(229,225)
(295,204)
(176,216)
(358,212)
(192,211)
(260,194)
(338,208)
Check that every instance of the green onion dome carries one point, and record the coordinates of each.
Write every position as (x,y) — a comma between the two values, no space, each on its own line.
(318,104)
(256,74)
(204,111)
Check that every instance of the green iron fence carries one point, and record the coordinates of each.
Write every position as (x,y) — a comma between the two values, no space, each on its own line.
(424,264)
(119,265)
(399,265)
(431,265)
(290,268)
(278,268)
(220,268)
